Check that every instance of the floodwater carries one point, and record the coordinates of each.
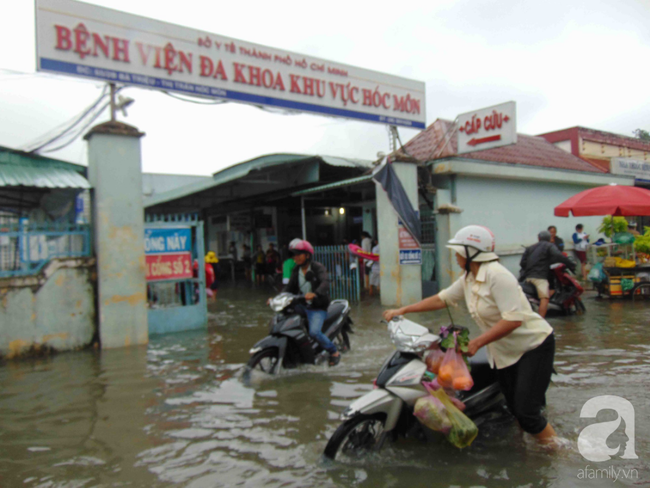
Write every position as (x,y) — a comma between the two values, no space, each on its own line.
(177,413)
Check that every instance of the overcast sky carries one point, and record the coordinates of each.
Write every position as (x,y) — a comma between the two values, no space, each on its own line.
(565,63)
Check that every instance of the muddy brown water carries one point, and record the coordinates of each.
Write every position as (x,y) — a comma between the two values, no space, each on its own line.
(177,413)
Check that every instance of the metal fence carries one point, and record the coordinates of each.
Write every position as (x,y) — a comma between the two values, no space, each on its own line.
(428,262)
(343,269)
(26,248)
(178,304)
(172,293)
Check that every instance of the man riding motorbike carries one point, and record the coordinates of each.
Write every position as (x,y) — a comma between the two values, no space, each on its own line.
(311,279)
(535,264)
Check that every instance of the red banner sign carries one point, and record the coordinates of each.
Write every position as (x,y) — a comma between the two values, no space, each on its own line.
(172,266)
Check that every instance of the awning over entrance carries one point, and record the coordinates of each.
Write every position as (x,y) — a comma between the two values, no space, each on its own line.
(332,186)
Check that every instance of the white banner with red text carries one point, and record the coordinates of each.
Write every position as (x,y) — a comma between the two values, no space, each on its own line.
(87,41)
(487,128)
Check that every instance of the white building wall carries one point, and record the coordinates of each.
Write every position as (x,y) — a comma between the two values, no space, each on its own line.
(564,145)
(515,211)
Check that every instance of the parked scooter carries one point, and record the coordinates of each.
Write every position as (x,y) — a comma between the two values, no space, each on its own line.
(388,409)
(566,299)
(289,344)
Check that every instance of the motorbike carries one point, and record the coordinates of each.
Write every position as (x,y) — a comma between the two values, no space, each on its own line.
(289,343)
(387,410)
(566,299)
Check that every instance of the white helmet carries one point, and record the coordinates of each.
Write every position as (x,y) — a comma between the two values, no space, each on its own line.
(475,243)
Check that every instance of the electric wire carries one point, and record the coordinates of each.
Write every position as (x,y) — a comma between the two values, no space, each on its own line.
(88,111)
(60,130)
(182,99)
(80,131)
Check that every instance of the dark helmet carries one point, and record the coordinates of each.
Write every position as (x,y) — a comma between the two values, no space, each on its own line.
(544,236)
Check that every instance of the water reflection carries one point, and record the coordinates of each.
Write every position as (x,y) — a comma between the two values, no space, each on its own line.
(178,412)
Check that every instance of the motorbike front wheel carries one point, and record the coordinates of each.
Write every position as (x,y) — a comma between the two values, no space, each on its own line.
(265,360)
(356,436)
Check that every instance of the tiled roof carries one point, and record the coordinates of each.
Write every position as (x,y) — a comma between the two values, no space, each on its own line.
(529,150)
(613,139)
(600,163)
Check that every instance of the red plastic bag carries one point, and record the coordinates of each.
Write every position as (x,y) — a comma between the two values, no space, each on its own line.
(453,372)
(434,359)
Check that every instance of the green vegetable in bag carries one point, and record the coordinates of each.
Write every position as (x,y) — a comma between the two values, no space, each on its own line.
(627,284)
(623,238)
(431,412)
(463,430)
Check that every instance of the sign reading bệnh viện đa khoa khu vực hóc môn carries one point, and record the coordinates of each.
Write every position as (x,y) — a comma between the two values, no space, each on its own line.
(87,41)
(168,253)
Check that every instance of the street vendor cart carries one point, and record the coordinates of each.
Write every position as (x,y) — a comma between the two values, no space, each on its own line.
(627,273)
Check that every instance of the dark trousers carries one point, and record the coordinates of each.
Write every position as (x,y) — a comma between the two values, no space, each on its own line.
(524,385)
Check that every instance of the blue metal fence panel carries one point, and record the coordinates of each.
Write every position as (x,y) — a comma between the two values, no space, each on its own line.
(179,305)
(26,248)
(343,269)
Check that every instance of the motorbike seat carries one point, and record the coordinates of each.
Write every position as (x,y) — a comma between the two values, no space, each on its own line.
(528,289)
(334,311)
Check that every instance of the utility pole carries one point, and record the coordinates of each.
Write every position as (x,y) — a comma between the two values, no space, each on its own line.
(113,104)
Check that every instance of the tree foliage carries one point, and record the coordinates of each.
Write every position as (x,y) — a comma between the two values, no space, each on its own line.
(644,135)
(612,225)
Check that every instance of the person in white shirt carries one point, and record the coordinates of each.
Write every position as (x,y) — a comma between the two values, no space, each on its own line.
(580,245)
(520,344)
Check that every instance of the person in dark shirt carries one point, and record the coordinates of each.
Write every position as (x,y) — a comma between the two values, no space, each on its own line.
(311,279)
(535,264)
(555,239)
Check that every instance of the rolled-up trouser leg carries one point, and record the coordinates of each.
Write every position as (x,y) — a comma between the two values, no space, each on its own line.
(524,385)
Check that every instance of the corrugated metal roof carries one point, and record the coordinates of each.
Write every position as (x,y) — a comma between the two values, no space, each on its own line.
(242,169)
(336,184)
(22,169)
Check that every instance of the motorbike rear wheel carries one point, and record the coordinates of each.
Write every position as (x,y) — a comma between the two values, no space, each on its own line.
(358,435)
(342,341)
(265,360)
(641,291)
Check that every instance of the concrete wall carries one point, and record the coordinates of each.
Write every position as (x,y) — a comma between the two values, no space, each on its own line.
(54,310)
(515,210)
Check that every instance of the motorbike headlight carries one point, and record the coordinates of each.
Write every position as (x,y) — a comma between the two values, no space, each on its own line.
(281,301)
(409,336)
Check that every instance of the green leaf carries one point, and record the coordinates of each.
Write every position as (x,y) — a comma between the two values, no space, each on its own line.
(448,342)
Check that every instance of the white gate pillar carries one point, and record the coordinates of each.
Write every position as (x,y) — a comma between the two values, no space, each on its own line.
(400,284)
(114,171)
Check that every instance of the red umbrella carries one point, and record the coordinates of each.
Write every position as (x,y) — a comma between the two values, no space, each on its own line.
(607,200)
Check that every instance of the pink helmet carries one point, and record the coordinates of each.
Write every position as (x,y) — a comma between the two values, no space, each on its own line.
(300,245)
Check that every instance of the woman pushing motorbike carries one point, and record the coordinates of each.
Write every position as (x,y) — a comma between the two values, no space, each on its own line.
(520,343)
